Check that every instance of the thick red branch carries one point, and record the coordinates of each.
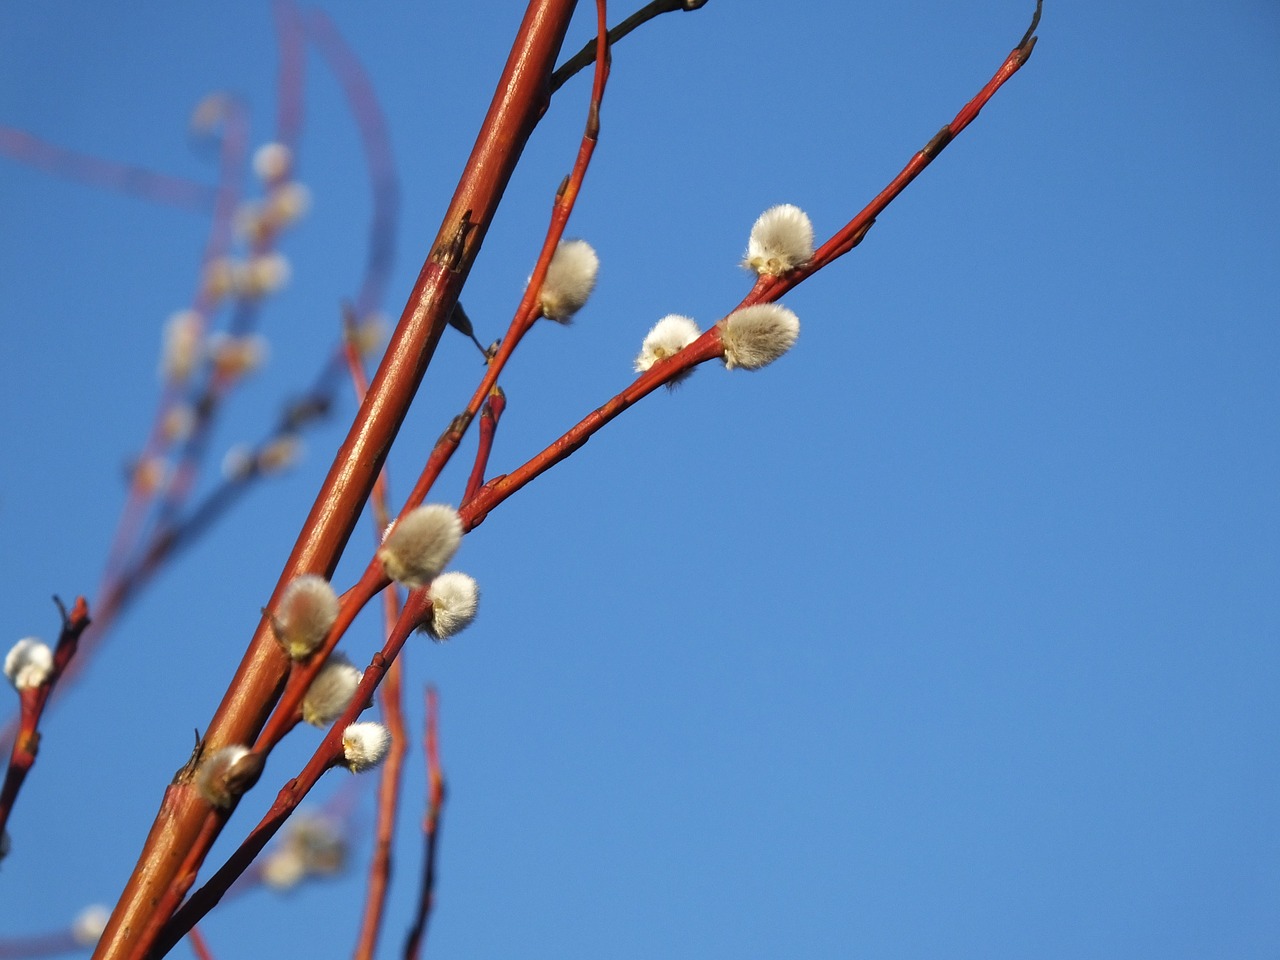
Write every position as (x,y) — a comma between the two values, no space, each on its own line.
(520,99)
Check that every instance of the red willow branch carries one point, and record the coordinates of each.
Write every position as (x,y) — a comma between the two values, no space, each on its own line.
(136,181)
(372,125)
(521,97)
(430,829)
(373,579)
(490,414)
(529,310)
(767,289)
(391,698)
(199,945)
(26,744)
(326,756)
(852,234)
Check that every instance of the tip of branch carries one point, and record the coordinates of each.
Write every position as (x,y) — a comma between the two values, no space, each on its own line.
(1029,39)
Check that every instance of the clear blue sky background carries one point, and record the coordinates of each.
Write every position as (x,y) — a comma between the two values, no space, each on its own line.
(953,634)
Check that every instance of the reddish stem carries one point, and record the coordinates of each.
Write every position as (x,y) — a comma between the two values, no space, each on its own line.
(430,829)
(849,236)
(528,312)
(520,98)
(489,417)
(199,945)
(327,755)
(26,744)
(372,124)
(147,184)
(391,697)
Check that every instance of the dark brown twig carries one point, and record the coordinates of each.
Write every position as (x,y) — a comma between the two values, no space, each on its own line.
(587,55)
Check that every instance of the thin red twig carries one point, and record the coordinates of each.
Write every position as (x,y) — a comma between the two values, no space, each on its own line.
(376,140)
(708,345)
(199,945)
(490,414)
(327,755)
(430,829)
(125,178)
(529,310)
(391,698)
(852,233)
(26,744)
(520,98)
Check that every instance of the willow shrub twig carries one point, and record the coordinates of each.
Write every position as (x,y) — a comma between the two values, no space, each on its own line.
(391,699)
(33,699)
(326,756)
(430,829)
(519,101)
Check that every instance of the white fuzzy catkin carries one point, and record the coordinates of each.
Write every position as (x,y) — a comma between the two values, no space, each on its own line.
(262,275)
(365,745)
(312,846)
(237,356)
(420,544)
(331,691)
(272,161)
(182,347)
(756,336)
(89,923)
(571,276)
(669,336)
(211,778)
(307,609)
(28,663)
(781,240)
(454,598)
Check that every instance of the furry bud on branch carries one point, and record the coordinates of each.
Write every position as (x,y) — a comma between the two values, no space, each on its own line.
(227,773)
(781,240)
(571,276)
(365,745)
(756,336)
(331,691)
(28,663)
(669,336)
(454,598)
(307,609)
(420,544)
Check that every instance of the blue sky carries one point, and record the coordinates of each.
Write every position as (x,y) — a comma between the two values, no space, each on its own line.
(952,634)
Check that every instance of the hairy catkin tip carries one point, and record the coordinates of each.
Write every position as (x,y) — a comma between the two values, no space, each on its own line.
(571,276)
(307,609)
(272,162)
(669,336)
(420,544)
(182,348)
(89,924)
(365,745)
(756,336)
(454,600)
(331,691)
(312,846)
(28,663)
(227,773)
(781,240)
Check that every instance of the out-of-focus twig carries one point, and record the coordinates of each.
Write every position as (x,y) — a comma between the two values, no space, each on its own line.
(125,178)
(391,699)
(430,830)
(199,945)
